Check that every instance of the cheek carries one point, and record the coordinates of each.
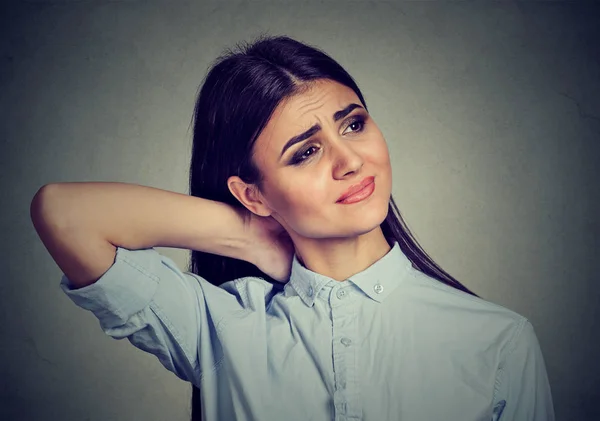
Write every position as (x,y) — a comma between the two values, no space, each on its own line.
(307,198)
(380,151)
(298,198)
(381,159)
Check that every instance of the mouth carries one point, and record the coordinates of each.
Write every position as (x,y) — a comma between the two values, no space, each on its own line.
(358,191)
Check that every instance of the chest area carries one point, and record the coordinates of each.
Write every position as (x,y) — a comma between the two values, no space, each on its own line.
(367,365)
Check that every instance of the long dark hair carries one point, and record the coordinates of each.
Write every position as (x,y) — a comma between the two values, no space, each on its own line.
(235,102)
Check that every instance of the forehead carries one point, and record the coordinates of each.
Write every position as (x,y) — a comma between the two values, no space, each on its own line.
(315,104)
(317,99)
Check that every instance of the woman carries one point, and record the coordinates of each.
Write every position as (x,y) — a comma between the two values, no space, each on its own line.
(332,310)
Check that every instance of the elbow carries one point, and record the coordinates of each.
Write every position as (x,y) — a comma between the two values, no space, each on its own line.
(41,207)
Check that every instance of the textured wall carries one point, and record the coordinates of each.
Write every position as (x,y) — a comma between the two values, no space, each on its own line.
(492,116)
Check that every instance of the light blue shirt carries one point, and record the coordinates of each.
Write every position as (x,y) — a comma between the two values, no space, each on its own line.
(389,343)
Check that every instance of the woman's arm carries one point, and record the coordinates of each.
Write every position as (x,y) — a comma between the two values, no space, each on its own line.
(81,223)
(522,389)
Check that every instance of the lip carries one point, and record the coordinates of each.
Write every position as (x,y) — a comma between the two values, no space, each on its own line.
(356,188)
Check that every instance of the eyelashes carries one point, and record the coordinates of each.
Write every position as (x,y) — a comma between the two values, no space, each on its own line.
(300,157)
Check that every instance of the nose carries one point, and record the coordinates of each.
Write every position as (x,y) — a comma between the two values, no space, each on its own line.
(346,158)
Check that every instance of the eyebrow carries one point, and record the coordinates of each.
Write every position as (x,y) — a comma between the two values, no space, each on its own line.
(338,115)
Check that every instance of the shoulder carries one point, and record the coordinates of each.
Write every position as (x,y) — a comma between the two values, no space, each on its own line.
(465,313)
(253,292)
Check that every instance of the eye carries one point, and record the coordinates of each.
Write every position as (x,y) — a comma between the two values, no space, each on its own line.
(358,123)
(300,157)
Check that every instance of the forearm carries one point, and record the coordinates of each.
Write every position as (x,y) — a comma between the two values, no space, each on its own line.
(135,217)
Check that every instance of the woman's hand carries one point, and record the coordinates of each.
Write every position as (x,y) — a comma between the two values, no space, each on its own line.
(271,247)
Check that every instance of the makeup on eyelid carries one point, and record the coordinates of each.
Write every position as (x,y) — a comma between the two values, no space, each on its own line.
(297,158)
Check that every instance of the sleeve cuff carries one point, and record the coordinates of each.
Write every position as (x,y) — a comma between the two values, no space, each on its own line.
(124,289)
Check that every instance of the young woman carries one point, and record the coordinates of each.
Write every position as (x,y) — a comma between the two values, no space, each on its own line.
(306,298)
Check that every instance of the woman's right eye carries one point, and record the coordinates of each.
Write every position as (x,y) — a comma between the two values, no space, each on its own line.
(299,158)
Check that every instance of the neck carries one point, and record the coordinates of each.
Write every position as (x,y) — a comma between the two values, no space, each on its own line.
(340,258)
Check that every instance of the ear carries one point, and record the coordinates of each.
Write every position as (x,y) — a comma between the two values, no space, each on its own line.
(248,195)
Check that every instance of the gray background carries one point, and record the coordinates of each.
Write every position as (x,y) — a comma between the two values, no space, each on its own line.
(492,116)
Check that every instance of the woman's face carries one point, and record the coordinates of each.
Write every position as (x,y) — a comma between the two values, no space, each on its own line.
(303,182)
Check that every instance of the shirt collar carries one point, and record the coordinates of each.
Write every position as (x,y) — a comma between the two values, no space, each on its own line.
(377,281)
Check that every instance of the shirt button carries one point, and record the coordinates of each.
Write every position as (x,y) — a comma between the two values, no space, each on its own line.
(341,293)
(310,291)
(378,288)
(346,341)
(341,407)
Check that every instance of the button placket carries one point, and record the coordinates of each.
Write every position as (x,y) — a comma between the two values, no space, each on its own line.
(344,352)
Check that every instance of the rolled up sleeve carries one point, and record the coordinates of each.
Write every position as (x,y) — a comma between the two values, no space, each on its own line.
(522,390)
(147,299)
